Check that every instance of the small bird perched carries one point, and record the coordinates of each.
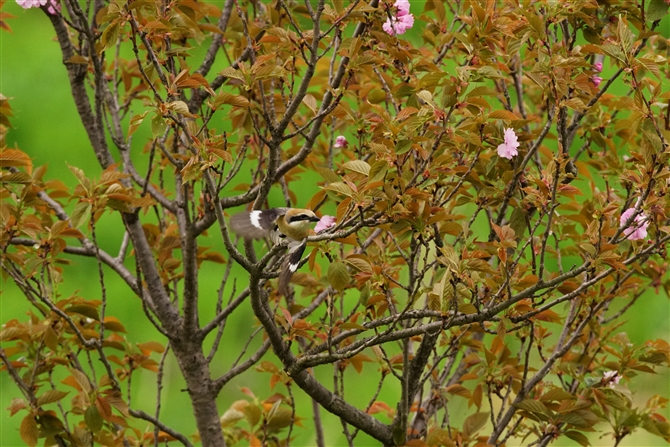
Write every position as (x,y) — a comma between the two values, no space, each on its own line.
(280,224)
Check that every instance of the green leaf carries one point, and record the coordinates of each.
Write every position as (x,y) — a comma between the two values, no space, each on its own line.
(503,115)
(135,123)
(617,401)
(85,310)
(489,72)
(158,126)
(656,358)
(11,333)
(109,36)
(179,107)
(269,72)
(341,188)
(228,98)
(310,102)
(338,276)
(231,417)
(474,423)
(49,425)
(358,166)
(426,96)
(364,59)
(252,413)
(399,435)
(626,37)
(14,157)
(328,174)
(80,214)
(658,428)
(82,380)
(614,51)
(575,104)
(435,299)
(280,418)
(378,171)
(230,72)
(577,436)
(467,308)
(439,436)
(365,295)
(50,397)
(16,177)
(556,394)
(574,419)
(93,418)
(403,146)
(656,10)
(359,264)
(533,406)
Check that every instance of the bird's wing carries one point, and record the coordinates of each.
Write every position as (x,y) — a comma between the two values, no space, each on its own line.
(255,224)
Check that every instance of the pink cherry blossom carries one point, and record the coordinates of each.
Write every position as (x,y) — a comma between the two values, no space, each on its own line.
(402,21)
(403,7)
(509,148)
(341,141)
(53,5)
(598,66)
(596,80)
(638,228)
(400,25)
(611,378)
(325,223)
(31,3)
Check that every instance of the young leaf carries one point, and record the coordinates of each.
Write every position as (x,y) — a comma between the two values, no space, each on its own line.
(29,431)
(533,406)
(93,419)
(579,437)
(50,396)
(474,423)
(338,276)
(81,213)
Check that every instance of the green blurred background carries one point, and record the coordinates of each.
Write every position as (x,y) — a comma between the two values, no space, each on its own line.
(47,127)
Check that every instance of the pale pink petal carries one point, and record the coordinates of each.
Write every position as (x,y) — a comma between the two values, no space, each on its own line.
(402,21)
(598,66)
(511,138)
(54,7)
(407,21)
(637,230)
(325,223)
(341,141)
(611,378)
(403,7)
(31,3)
(388,28)
(596,80)
(509,148)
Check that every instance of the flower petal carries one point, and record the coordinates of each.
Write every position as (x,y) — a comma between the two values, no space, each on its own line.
(325,223)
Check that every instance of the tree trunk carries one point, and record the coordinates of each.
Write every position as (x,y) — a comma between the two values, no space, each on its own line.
(193,365)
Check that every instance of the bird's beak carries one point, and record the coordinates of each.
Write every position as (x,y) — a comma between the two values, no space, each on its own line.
(314,219)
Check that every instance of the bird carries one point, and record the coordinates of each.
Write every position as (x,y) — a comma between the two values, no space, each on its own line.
(280,224)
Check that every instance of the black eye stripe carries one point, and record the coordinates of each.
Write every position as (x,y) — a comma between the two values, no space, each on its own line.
(300,217)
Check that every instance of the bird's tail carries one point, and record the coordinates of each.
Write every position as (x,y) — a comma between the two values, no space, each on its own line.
(291,264)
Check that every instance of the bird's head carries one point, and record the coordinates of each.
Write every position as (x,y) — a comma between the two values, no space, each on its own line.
(300,219)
